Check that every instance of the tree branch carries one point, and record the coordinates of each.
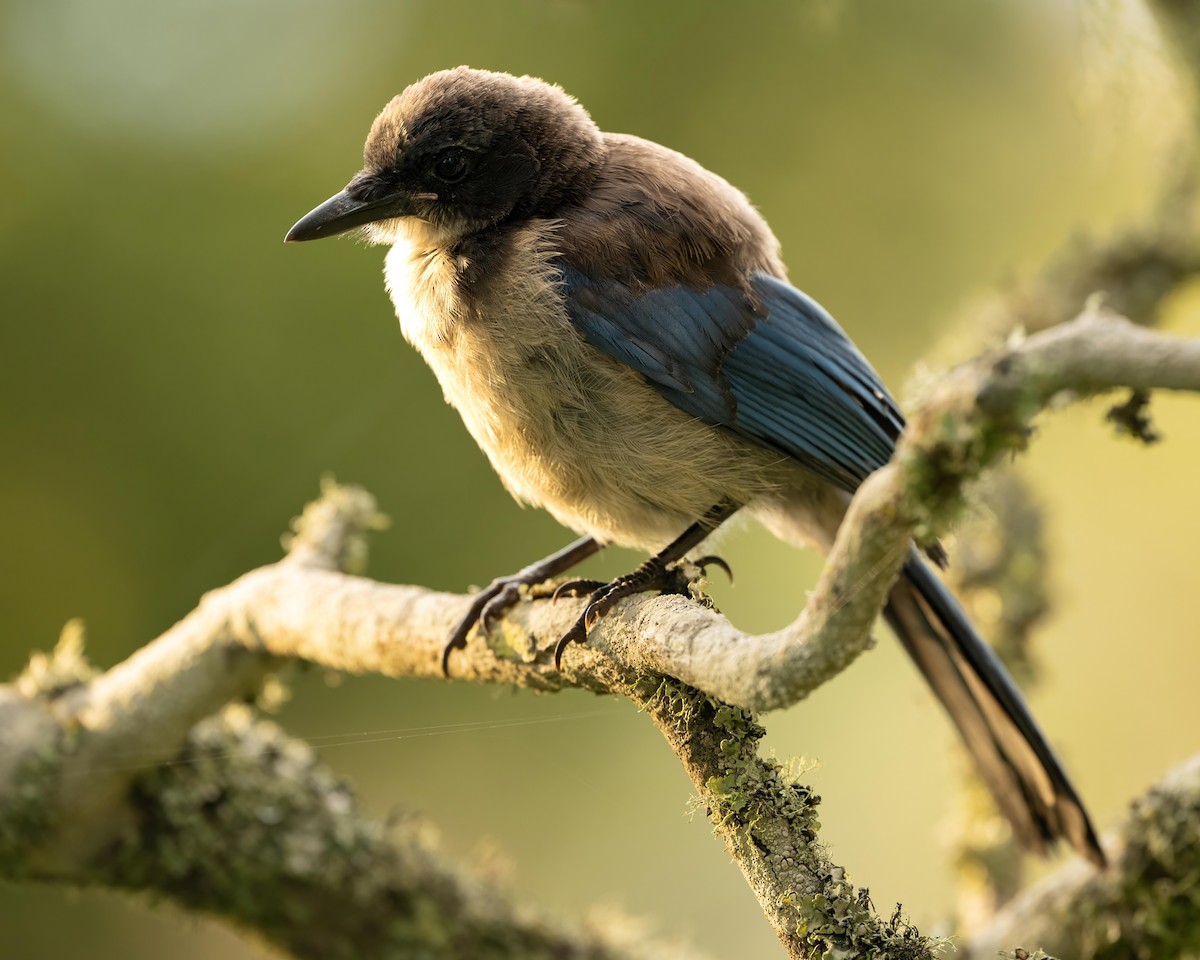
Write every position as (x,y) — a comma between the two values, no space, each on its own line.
(108,779)
(65,798)
(979,412)
(248,825)
(1144,905)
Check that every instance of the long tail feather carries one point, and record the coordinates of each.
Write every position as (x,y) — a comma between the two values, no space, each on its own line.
(1009,749)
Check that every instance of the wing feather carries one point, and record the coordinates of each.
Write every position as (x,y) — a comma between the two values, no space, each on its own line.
(766,362)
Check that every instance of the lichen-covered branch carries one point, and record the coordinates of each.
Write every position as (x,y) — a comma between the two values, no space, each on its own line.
(1146,905)
(1000,568)
(980,411)
(248,825)
(769,825)
(1135,270)
(145,706)
(134,779)
(66,800)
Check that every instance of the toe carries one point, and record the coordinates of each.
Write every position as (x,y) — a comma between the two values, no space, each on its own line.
(577,588)
(712,560)
(498,606)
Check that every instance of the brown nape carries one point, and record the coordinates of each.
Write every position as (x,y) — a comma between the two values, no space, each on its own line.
(655,218)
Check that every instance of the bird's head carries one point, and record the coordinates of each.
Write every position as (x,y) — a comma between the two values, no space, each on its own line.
(461,151)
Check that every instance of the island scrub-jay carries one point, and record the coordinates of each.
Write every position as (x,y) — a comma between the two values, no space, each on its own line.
(615,326)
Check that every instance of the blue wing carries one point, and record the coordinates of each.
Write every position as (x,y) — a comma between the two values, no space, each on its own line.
(767,363)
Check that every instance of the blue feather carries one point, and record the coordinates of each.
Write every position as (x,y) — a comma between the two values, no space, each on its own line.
(767,363)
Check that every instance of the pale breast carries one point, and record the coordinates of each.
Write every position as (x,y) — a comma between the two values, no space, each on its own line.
(489,362)
(565,426)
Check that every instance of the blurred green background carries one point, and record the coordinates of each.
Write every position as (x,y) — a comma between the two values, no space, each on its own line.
(174,380)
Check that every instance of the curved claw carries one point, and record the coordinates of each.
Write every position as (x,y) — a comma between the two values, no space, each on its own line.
(601,602)
(576,588)
(593,612)
(446,651)
(577,634)
(491,603)
(712,560)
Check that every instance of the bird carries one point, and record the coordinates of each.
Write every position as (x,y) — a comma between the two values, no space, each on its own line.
(615,326)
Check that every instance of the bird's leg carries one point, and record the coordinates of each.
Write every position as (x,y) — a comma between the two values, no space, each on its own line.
(491,603)
(655,574)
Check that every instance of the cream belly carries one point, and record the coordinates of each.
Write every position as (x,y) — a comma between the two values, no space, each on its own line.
(565,426)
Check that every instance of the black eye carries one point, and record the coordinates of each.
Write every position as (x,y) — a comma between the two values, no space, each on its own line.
(451,166)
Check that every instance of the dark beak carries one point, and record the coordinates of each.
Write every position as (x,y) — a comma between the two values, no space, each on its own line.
(342,212)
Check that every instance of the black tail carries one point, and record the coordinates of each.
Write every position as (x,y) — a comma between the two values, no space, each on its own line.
(1010,751)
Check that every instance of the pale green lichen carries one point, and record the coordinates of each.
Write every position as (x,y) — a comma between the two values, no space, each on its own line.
(64,668)
(27,814)
(1153,912)
(335,525)
(508,641)
(771,823)
(248,825)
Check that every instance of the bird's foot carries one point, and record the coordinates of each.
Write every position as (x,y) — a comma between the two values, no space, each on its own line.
(655,575)
(503,593)
(489,605)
